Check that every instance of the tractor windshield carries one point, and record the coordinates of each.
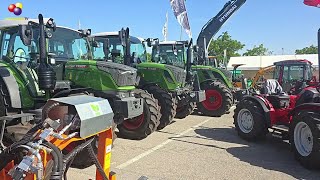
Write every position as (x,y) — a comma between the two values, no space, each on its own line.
(115,50)
(169,54)
(67,44)
(293,73)
(13,48)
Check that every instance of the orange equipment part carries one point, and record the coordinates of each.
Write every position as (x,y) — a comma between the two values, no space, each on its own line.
(104,156)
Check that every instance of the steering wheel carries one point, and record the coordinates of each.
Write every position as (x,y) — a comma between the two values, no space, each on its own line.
(20,54)
(60,53)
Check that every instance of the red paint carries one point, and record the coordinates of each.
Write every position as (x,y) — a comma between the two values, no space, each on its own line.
(315,3)
(213,100)
(134,123)
(11,7)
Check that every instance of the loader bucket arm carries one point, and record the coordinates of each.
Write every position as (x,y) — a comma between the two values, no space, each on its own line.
(213,26)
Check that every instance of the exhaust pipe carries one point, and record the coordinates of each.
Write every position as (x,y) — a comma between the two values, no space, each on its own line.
(46,74)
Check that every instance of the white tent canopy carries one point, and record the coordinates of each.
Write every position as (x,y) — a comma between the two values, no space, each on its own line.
(257,62)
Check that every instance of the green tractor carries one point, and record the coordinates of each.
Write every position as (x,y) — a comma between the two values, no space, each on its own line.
(218,98)
(136,111)
(28,82)
(172,85)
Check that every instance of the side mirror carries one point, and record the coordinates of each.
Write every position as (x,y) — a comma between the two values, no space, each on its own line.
(195,48)
(123,35)
(51,24)
(25,33)
(84,32)
(149,42)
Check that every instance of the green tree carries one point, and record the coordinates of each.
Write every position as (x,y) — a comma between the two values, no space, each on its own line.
(308,50)
(148,57)
(224,42)
(256,51)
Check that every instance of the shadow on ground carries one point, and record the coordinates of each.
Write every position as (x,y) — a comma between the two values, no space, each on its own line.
(272,154)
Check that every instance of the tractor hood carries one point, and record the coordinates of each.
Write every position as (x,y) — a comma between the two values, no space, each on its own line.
(123,75)
(178,73)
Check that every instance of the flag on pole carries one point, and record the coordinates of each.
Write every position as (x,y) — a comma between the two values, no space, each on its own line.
(315,3)
(165,28)
(180,11)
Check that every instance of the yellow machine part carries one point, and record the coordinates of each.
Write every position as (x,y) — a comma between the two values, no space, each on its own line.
(263,71)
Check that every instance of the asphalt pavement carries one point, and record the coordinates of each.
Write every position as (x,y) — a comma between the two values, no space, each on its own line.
(200,147)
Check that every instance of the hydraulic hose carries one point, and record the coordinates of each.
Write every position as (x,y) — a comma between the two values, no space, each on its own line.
(57,169)
(75,151)
(68,159)
(96,162)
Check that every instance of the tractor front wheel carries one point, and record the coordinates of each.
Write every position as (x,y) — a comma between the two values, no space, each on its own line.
(218,99)
(184,110)
(142,126)
(305,139)
(249,120)
(167,103)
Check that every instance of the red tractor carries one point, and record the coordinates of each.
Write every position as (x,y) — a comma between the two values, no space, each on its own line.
(289,108)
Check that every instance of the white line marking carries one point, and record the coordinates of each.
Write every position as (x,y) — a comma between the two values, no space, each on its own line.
(146,153)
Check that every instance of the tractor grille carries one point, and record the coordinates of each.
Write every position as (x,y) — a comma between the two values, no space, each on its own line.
(179,73)
(123,75)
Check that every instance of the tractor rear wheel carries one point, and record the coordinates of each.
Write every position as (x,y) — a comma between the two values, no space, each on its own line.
(142,126)
(186,109)
(218,99)
(305,139)
(249,120)
(167,103)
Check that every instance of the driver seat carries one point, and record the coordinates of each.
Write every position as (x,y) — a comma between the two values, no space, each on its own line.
(275,95)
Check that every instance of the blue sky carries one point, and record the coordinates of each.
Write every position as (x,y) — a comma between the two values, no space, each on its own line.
(278,24)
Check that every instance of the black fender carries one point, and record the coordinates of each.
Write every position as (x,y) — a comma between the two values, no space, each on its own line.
(263,105)
(304,107)
(12,87)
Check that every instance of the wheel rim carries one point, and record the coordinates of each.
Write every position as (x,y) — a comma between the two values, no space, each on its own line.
(245,120)
(303,139)
(134,123)
(213,100)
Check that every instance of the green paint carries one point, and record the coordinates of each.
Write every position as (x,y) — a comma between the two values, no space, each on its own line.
(84,73)
(96,109)
(155,73)
(209,73)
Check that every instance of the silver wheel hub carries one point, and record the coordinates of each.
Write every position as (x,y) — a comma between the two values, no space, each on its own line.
(245,120)
(303,139)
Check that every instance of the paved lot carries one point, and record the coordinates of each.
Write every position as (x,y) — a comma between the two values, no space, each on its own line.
(200,147)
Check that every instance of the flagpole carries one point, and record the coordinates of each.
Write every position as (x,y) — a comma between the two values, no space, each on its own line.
(181,30)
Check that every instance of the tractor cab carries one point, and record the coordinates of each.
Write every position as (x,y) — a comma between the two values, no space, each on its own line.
(171,53)
(294,74)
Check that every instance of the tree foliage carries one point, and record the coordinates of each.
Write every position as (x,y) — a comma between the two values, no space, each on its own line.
(148,57)
(225,42)
(308,50)
(256,51)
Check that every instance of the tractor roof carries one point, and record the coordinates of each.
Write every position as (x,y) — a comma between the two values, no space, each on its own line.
(13,22)
(170,42)
(106,34)
(293,62)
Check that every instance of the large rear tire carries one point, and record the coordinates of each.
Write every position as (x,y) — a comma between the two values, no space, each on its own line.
(166,102)
(249,120)
(186,109)
(218,99)
(142,126)
(305,138)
